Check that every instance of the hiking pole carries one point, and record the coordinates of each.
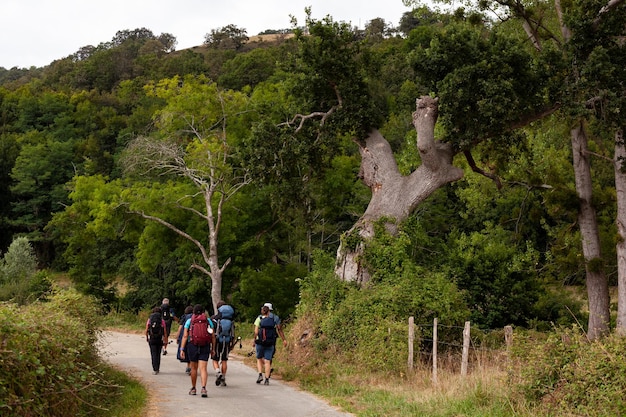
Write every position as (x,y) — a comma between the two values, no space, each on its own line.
(232,345)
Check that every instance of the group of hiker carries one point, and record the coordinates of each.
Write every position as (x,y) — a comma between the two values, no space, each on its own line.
(201,338)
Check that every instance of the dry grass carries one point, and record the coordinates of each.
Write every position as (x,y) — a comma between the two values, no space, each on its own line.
(271,38)
(362,392)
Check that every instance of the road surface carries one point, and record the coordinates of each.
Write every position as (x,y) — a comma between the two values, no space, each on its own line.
(242,397)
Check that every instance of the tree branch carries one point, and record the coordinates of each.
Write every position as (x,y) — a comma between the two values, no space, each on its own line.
(472,164)
(612,4)
(324,115)
(535,116)
(175,230)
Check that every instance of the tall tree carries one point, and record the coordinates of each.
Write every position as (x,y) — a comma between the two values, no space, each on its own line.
(591,46)
(198,131)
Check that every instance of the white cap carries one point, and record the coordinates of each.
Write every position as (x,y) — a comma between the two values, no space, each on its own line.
(268,305)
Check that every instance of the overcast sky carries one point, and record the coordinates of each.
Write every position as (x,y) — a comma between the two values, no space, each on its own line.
(37,32)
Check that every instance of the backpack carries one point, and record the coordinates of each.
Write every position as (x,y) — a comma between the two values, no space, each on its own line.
(201,330)
(167,312)
(267,332)
(155,329)
(225,326)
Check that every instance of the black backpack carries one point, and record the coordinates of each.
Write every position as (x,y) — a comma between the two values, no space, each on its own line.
(167,312)
(267,332)
(155,329)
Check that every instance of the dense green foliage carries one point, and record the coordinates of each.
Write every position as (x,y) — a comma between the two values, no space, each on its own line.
(571,375)
(65,131)
(50,364)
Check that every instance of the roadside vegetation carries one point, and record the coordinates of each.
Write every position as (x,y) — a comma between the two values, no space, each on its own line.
(50,366)
(354,353)
(49,362)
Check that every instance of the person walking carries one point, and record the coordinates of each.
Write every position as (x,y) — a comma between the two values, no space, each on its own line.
(225,337)
(179,338)
(199,339)
(266,329)
(156,337)
(168,316)
(278,329)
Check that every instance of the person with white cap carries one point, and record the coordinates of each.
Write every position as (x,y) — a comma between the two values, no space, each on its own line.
(265,350)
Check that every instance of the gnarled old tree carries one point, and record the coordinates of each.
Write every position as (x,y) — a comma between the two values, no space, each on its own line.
(194,146)
(480,102)
(395,196)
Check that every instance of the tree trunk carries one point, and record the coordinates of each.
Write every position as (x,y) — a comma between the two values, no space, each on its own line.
(597,285)
(395,196)
(620,190)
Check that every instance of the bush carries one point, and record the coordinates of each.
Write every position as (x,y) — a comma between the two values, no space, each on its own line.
(369,326)
(50,365)
(568,375)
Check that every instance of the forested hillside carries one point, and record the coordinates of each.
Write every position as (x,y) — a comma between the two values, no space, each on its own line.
(237,169)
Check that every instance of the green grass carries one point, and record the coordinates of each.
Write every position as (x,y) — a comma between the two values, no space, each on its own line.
(132,399)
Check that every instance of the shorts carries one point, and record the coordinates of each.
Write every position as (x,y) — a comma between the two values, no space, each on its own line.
(198,353)
(221,351)
(265,352)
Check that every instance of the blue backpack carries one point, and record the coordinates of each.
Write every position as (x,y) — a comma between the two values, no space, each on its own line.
(225,326)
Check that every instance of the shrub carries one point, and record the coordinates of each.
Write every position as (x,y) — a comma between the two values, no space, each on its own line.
(568,375)
(368,325)
(50,364)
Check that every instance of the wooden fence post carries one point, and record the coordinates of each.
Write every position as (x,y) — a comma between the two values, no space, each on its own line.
(411,341)
(508,336)
(435,351)
(466,343)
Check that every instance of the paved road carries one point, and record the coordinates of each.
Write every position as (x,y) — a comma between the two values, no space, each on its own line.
(242,397)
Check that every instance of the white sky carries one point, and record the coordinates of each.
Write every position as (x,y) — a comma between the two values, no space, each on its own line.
(37,32)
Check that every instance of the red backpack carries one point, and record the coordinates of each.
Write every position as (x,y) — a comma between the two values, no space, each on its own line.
(201,330)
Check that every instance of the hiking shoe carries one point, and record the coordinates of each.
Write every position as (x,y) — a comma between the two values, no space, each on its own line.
(203,393)
(259,379)
(219,380)
(192,391)
(267,381)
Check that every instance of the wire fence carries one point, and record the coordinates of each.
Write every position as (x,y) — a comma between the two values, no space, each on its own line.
(455,340)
